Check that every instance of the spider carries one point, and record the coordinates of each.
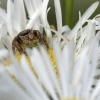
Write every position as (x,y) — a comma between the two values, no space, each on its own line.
(28,38)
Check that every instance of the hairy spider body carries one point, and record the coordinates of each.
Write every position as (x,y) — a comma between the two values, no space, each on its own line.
(28,38)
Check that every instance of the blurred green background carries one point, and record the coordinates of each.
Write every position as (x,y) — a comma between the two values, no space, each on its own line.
(70,10)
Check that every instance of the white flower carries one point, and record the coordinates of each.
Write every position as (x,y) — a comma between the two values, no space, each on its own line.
(67,70)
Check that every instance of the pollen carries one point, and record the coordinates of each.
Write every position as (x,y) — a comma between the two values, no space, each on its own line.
(8,62)
(18,56)
(52,27)
(53,61)
(31,66)
(17,82)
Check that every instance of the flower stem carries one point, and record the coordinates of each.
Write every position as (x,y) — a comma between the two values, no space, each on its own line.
(67,9)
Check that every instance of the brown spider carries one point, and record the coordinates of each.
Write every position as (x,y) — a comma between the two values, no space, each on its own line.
(28,38)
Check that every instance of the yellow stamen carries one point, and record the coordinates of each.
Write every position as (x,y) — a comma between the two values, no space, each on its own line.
(18,56)
(52,27)
(8,62)
(53,60)
(31,66)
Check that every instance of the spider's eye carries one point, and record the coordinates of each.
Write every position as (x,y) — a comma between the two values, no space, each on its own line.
(36,32)
(24,37)
(31,36)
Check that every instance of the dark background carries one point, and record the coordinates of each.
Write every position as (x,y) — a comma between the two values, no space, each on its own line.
(78,5)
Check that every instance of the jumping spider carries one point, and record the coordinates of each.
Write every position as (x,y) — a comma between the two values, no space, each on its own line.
(27,38)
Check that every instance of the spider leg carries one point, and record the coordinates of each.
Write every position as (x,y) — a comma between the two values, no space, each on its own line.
(17,46)
(25,32)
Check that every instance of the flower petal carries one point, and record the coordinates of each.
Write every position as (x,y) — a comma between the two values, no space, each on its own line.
(85,16)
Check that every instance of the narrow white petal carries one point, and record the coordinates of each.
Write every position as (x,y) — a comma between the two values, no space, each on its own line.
(9,20)
(85,16)
(33,19)
(19,15)
(93,58)
(3,14)
(79,67)
(37,89)
(58,15)
(50,69)
(3,53)
(65,28)
(42,73)
(10,86)
(61,66)
(44,21)
(96,91)
(91,31)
